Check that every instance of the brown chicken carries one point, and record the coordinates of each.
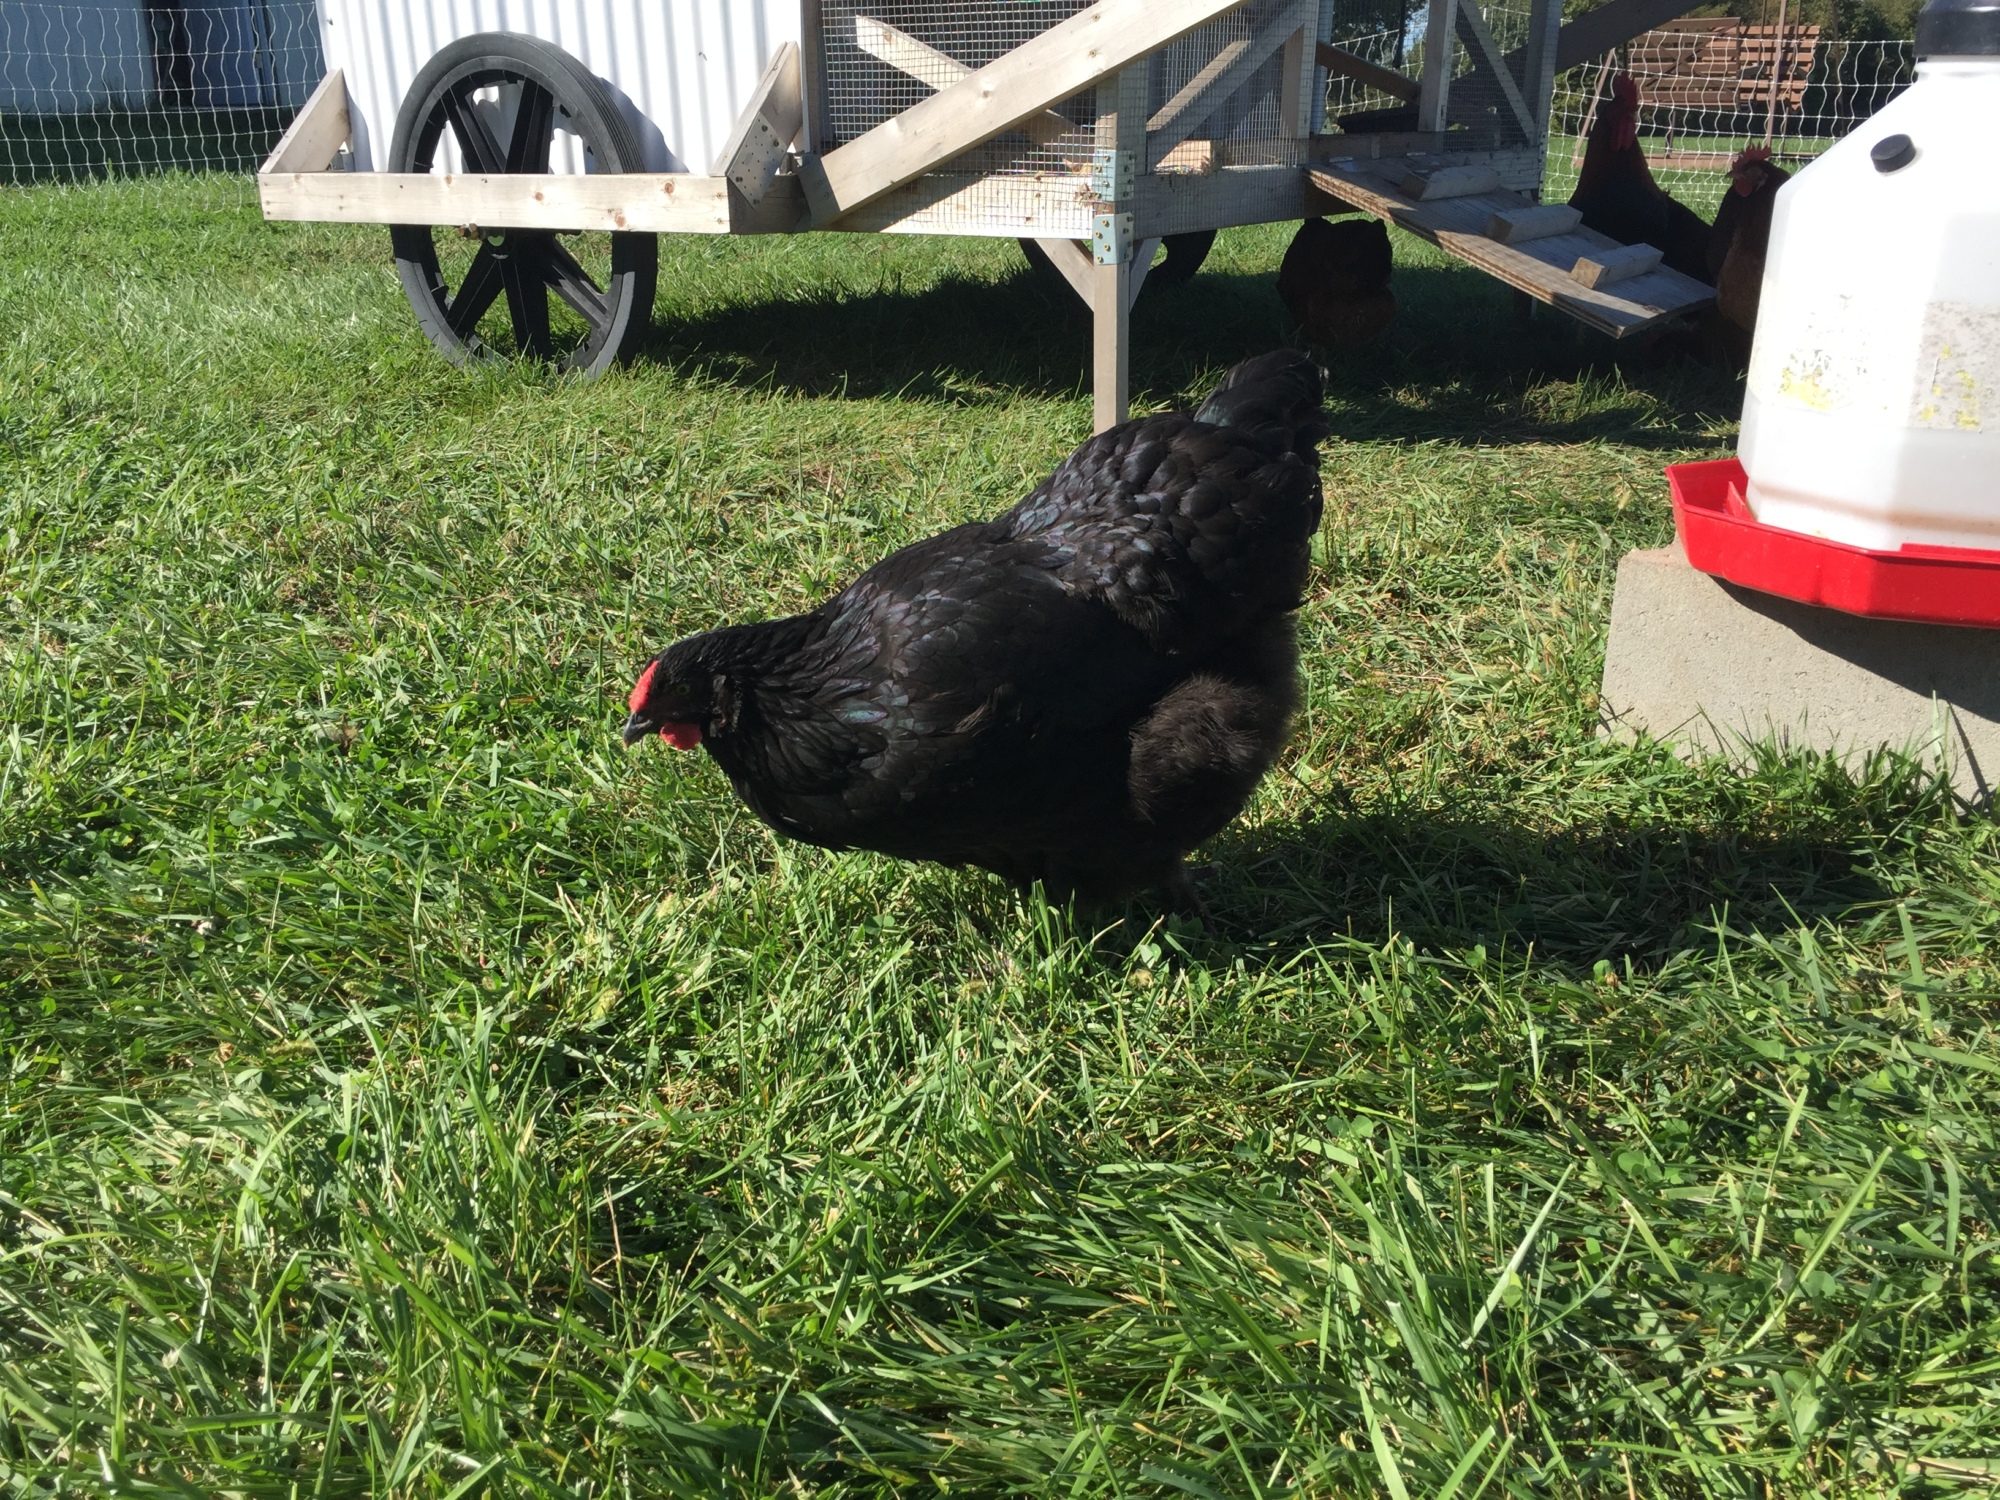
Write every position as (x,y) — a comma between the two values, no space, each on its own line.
(1738,244)
(1617,196)
(1334,280)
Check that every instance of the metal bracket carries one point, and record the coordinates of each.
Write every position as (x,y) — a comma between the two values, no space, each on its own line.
(1111,239)
(1111,174)
(759,161)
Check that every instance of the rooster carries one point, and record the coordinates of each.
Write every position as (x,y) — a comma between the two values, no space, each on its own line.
(1334,280)
(1617,196)
(1739,242)
(1077,692)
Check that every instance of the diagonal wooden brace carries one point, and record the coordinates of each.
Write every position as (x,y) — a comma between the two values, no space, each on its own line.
(1040,73)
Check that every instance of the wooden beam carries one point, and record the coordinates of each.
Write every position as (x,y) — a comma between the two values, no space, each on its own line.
(812,75)
(316,133)
(1300,107)
(1362,71)
(1070,258)
(1110,344)
(1538,63)
(665,202)
(1030,205)
(1168,202)
(1142,262)
(1486,54)
(1433,99)
(1121,128)
(755,151)
(937,70)
(1064,60)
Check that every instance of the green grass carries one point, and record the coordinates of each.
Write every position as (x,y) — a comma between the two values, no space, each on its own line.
(408,1093)
(129,142)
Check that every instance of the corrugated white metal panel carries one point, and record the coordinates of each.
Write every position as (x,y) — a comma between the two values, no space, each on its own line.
(73,57)
(685,68)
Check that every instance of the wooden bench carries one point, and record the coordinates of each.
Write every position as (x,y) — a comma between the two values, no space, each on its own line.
(1719,63)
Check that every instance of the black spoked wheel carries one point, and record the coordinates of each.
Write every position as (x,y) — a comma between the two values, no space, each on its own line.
(505,103)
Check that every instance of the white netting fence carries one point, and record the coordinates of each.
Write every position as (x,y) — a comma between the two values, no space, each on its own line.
(1710,89)
(118,88)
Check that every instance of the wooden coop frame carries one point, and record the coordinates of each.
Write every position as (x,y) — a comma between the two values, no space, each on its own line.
(1145,167)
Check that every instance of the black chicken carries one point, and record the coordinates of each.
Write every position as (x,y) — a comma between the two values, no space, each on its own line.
(1076,692)
(1334,280)
(1617,196)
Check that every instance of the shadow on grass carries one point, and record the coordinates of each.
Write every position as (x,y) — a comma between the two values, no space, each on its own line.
(1460,365)
(1642,892)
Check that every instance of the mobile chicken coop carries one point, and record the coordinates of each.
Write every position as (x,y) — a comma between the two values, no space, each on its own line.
(527,152)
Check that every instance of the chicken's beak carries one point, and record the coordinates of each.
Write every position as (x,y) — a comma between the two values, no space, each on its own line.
(637,728)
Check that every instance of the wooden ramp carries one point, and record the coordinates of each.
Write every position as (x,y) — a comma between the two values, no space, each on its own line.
(1458,216)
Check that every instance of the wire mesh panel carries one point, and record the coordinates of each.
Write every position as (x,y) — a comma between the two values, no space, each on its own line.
(1476,99)
(1243,125)
(880,57)
(1689,134)
(883,56)
(1224,83)
(94,88)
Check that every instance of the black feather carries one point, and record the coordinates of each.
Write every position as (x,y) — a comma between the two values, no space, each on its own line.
(1078,691)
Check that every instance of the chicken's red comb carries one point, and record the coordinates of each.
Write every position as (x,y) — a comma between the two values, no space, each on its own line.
(1625,89)
(639,688)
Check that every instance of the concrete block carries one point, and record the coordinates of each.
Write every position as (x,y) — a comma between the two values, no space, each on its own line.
(1714,668)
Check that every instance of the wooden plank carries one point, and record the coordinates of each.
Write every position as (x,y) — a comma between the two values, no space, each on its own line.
(1434,94)
(1486,55)
(1038,205)
(1621,263)
(1168,203)
(1190,156)
(756,149)
(1369,75)
(1516,226)
(1066,59)
(1538,267)
(936,70)
(664,202)
(1426,186)
(316,133)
